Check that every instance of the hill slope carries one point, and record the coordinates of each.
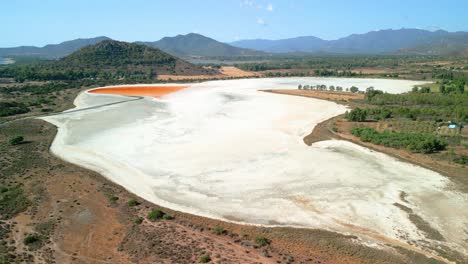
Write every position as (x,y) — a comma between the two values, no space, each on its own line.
(374,42)
(198,45)
(114,56)
(51,51)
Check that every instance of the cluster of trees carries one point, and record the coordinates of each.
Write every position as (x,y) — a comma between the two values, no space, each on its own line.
(323,87)
(409,99)
(336,65)
(285,74)
(420,104)
(357,115)
(415,142)
(12,108)
(45,72)
(448,74)
(338,73)
(456,113)
(452,86)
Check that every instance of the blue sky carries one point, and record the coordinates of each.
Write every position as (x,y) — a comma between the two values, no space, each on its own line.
(40,22)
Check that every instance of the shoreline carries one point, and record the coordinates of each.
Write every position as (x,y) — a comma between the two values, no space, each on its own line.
(323,131)
(246,225)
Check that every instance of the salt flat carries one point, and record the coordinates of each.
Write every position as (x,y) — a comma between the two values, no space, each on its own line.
(222,149)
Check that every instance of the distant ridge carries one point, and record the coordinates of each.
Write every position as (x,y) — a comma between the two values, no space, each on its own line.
(408,41)
(51,51)
(193,44)
(400,41)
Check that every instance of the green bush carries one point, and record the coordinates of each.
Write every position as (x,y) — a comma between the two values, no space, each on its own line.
(155,215)
(261,241)
(138,220)
(167,217)
(463,160)
(205,259)
(12,108)
(16,140)
(31,239)
(12,201)
(133,202)
(218,230)
(356,115)
(415,142)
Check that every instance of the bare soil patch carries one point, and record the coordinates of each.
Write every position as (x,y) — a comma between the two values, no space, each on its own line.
(224,73)
(325,95)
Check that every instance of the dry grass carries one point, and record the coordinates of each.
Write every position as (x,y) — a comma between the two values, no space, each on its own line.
(224,72)
(326,95)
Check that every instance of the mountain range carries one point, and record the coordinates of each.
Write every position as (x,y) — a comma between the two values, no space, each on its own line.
(196,45)
(51,51)
(401,41)
(415,41)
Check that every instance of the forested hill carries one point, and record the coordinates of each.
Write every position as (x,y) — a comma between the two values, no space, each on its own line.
(198,45)
(111,55)
(108,60)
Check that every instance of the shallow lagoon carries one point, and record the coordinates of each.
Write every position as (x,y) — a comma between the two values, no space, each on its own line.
(222,149)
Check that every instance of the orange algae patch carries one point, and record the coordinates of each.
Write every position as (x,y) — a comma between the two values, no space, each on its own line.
(154,91)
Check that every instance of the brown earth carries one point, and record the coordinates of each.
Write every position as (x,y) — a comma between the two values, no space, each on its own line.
(224,73)
(90,221)
(84,218)
(325,95)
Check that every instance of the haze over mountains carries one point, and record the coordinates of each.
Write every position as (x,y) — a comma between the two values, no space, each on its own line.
(401,41)
(51,51)
(375,42)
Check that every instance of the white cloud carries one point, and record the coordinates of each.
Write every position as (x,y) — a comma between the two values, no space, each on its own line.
(255,4)
(269,7)
(246,3)
(260,21)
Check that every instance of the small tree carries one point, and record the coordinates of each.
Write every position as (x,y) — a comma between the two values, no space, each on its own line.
(218,230)
(132,202)
(155,215)
(205,259)
(354,89)
(356,115)
(16,140)
(299,87)
(261,241)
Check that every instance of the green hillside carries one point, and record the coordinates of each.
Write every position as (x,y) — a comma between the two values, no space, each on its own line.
(194,45)
(107,60)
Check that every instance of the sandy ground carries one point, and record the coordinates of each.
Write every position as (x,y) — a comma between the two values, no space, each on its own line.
(325,95)
(179,172)
(225,72)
